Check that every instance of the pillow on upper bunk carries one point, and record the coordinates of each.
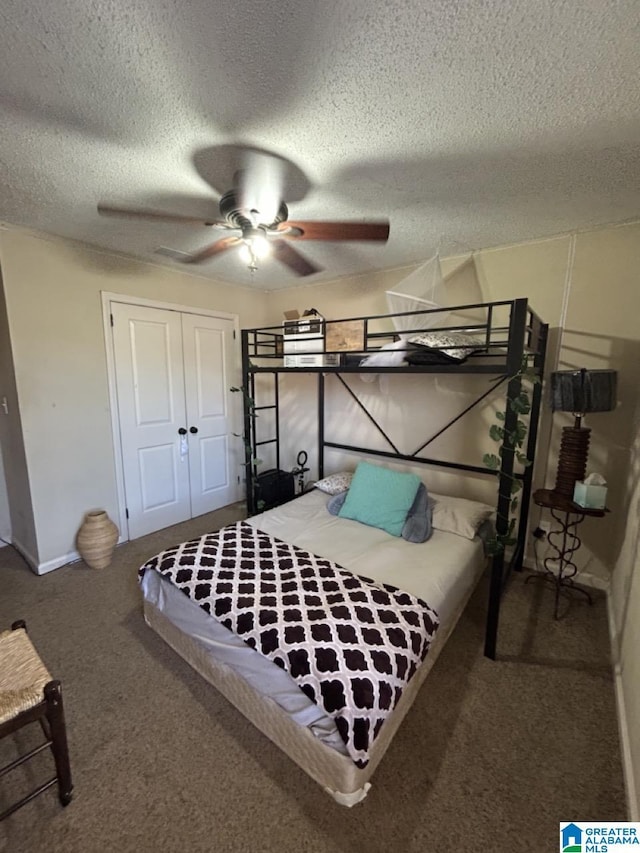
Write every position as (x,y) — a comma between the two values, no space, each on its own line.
(380,497)
(334,484)
(417,526)
(459,515)
(389,355)
(421,355)
(456,345)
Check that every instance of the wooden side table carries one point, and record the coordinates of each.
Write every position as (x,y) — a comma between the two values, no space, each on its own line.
(560,569)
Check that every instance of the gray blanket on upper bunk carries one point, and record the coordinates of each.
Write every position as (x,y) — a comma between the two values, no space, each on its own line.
(351,645)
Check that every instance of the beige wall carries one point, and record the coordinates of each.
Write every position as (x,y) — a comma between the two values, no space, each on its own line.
(5,518)
(21,517)
(53,294)
(625,606)
(5,372)
(602,330)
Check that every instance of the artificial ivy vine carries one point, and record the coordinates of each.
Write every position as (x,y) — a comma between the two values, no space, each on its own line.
(510,440)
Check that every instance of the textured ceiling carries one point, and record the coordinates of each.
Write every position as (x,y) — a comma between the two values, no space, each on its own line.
(466,123)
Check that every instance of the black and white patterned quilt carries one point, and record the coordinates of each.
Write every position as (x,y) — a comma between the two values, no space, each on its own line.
(351,645)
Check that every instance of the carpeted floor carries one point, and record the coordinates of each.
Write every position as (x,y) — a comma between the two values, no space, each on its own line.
(491,757)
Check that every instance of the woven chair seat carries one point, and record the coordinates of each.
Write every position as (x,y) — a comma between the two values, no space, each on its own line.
(22,675)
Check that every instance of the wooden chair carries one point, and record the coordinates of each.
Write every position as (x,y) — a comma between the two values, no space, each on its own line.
(28,693)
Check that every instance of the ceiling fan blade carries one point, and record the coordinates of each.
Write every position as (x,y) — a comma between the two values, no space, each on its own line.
(214,249)
(292,258)
(376,231)
(157,215)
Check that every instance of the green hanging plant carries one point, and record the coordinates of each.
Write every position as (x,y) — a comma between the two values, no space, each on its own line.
(513,439)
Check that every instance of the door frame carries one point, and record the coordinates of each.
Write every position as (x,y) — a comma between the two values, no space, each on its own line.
(236,378)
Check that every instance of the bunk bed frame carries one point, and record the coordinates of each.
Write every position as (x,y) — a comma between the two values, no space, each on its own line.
(514,337)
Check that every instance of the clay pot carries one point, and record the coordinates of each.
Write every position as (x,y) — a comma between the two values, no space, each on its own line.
(96,539)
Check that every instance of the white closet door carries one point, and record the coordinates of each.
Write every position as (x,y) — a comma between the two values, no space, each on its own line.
(208,358)
(151,403)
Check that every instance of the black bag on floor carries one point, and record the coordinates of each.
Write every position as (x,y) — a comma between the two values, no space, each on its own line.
(274,487)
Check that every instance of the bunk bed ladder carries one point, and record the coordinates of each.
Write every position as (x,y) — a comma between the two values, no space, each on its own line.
(248,391)
(321,442)
(255,444)
(251,443)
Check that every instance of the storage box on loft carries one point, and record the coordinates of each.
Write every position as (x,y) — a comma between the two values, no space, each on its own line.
(303,342)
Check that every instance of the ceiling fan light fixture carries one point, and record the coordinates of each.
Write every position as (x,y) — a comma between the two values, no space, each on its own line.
(255,246)
(246,255)
(260,247)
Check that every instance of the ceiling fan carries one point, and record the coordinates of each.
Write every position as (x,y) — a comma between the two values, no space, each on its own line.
(257,220)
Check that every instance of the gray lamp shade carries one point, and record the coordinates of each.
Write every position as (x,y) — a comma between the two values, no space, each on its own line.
(584,390)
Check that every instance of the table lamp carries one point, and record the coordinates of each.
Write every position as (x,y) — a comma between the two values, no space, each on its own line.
(580,392)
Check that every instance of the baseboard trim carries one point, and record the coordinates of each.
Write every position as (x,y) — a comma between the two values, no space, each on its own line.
(49,565)
(57,563)
(583,578)
(633,811)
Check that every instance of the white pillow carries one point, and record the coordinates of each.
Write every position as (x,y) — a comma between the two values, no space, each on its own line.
(459,515)
(389,355)
(335,483)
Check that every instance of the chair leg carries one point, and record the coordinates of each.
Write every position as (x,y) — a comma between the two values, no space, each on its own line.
(59,747)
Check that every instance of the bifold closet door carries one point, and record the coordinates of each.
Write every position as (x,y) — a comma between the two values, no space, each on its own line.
(151,407)
(174,408)
(208,355)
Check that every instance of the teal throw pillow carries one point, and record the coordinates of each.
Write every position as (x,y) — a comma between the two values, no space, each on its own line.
(380,497)
(418,525)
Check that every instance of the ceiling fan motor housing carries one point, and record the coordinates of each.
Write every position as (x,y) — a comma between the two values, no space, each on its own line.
(237,217)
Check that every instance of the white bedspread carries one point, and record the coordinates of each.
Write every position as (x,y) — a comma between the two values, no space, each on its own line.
(439,571)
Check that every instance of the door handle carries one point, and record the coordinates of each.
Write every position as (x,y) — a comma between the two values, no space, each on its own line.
(193,430)
(182,431)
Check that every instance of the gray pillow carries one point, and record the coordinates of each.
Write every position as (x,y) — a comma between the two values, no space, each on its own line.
(417,525)
(334,505)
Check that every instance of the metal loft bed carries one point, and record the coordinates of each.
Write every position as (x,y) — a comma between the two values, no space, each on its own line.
(513,336)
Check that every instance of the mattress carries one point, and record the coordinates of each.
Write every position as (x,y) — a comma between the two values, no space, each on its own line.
(226,647)
(439,571)
(443,572)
